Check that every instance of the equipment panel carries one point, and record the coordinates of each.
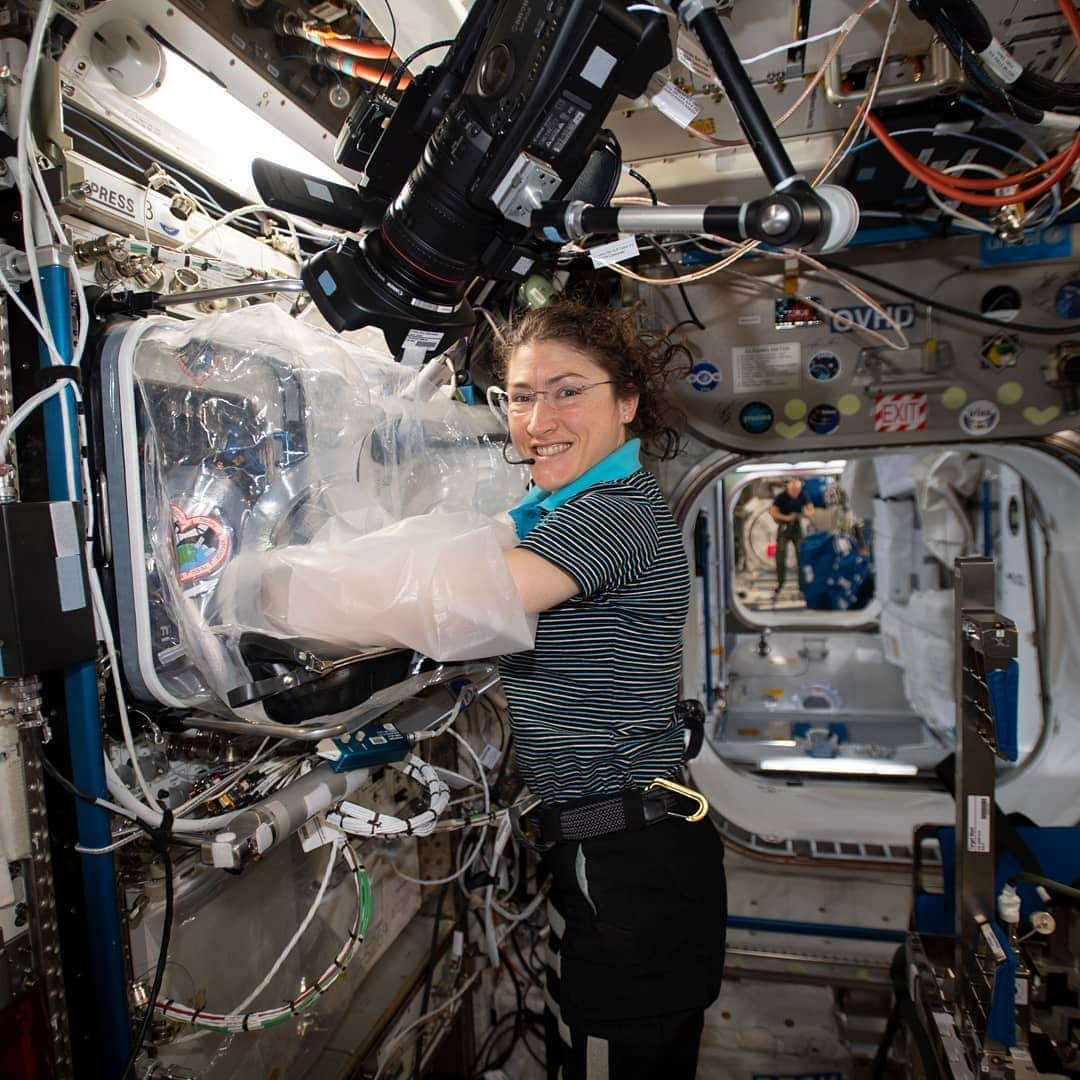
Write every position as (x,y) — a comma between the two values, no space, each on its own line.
(773,374)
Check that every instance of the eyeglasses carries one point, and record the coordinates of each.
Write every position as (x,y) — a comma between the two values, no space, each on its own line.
(517,402)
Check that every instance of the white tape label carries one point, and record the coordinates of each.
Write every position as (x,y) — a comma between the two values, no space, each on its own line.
(766,367)
(1000,61)
(978,823)
(615,252)
(675,104)
(691,54)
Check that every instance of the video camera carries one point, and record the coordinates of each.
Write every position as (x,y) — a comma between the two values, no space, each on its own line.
(497,156)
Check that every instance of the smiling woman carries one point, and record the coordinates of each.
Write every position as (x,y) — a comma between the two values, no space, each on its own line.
(593,704)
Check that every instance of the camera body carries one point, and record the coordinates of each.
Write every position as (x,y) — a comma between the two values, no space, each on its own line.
(510,120)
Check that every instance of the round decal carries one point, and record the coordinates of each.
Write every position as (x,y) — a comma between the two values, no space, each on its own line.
(1067,301)
(979,418)
(795,409)
(202,544)
(823,419)
(823,365)
(1010,393)
(953,397)
(756,418)
(704,377)
(1002,302)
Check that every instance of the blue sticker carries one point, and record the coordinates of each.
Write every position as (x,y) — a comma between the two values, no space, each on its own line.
(823,365)
(823,419)
(756,418)
(1053,242)
(1067,301)
(704,377)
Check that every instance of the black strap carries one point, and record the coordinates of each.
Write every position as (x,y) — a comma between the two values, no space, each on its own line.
(691,714)
(46,376)
(584,819)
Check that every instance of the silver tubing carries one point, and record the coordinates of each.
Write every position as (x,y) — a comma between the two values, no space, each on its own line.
(666,219)
(227,292)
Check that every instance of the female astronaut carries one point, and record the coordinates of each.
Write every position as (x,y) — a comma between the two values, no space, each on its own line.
(639,897)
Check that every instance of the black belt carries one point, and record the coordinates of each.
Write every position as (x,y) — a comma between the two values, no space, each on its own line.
(583,819)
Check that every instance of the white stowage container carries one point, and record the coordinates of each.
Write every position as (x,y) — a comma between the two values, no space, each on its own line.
(894,536)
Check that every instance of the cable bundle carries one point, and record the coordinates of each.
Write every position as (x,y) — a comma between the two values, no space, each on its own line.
(363,821)
(257,1021)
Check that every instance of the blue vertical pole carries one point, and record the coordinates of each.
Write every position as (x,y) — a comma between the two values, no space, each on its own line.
(108,975)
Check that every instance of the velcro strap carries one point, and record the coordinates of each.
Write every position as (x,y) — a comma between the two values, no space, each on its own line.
(630,810)
(46,376)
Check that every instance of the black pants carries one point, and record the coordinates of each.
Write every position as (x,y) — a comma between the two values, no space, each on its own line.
(637,951)
(788,532)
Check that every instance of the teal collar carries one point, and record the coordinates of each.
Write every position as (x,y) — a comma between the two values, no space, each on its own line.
(616,466)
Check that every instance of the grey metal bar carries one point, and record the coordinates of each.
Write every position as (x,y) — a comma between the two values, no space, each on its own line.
(331,727)
(228,292)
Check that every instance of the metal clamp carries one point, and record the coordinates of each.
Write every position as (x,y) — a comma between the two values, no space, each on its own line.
(687,793)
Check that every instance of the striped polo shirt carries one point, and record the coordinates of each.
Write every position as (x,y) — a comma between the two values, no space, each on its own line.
(592,705)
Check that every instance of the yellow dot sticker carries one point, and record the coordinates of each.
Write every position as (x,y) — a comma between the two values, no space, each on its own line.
(1009,393)
(954,397)
(849,404)
(795,409)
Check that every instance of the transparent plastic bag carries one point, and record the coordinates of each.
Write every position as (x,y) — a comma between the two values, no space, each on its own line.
(436,583)
(247,432)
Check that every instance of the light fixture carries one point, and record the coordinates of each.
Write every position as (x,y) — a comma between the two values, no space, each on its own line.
(230,132)
(839,766)
(128,57)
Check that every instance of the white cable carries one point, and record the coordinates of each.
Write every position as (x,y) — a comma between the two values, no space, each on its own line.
(459,873)
(363,821)
(502,835)
(460,993)
(132,806)
(511,918)
(28,406)
(240,210)
(32,319)
(29,78)
(335,847)
(846,25)
(869,103)
(959,215)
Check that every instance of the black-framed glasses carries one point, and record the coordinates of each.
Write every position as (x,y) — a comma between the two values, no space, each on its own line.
(517,402)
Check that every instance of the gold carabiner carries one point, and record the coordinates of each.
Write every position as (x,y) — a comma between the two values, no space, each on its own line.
(689,793)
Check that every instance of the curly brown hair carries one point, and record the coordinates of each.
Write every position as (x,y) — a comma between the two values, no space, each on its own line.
(637,361)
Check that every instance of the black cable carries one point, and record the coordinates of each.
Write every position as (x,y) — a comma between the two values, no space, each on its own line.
(1028,86)
(972,67)
(393,42)
(160,836)
(900,290)
(634,174)
(516,946)
(429,976)
(694,320)
(1070,891)
(55,774)
(403,66)
(159,839)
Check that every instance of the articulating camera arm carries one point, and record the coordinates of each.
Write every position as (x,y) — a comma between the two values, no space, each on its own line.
(794,215)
